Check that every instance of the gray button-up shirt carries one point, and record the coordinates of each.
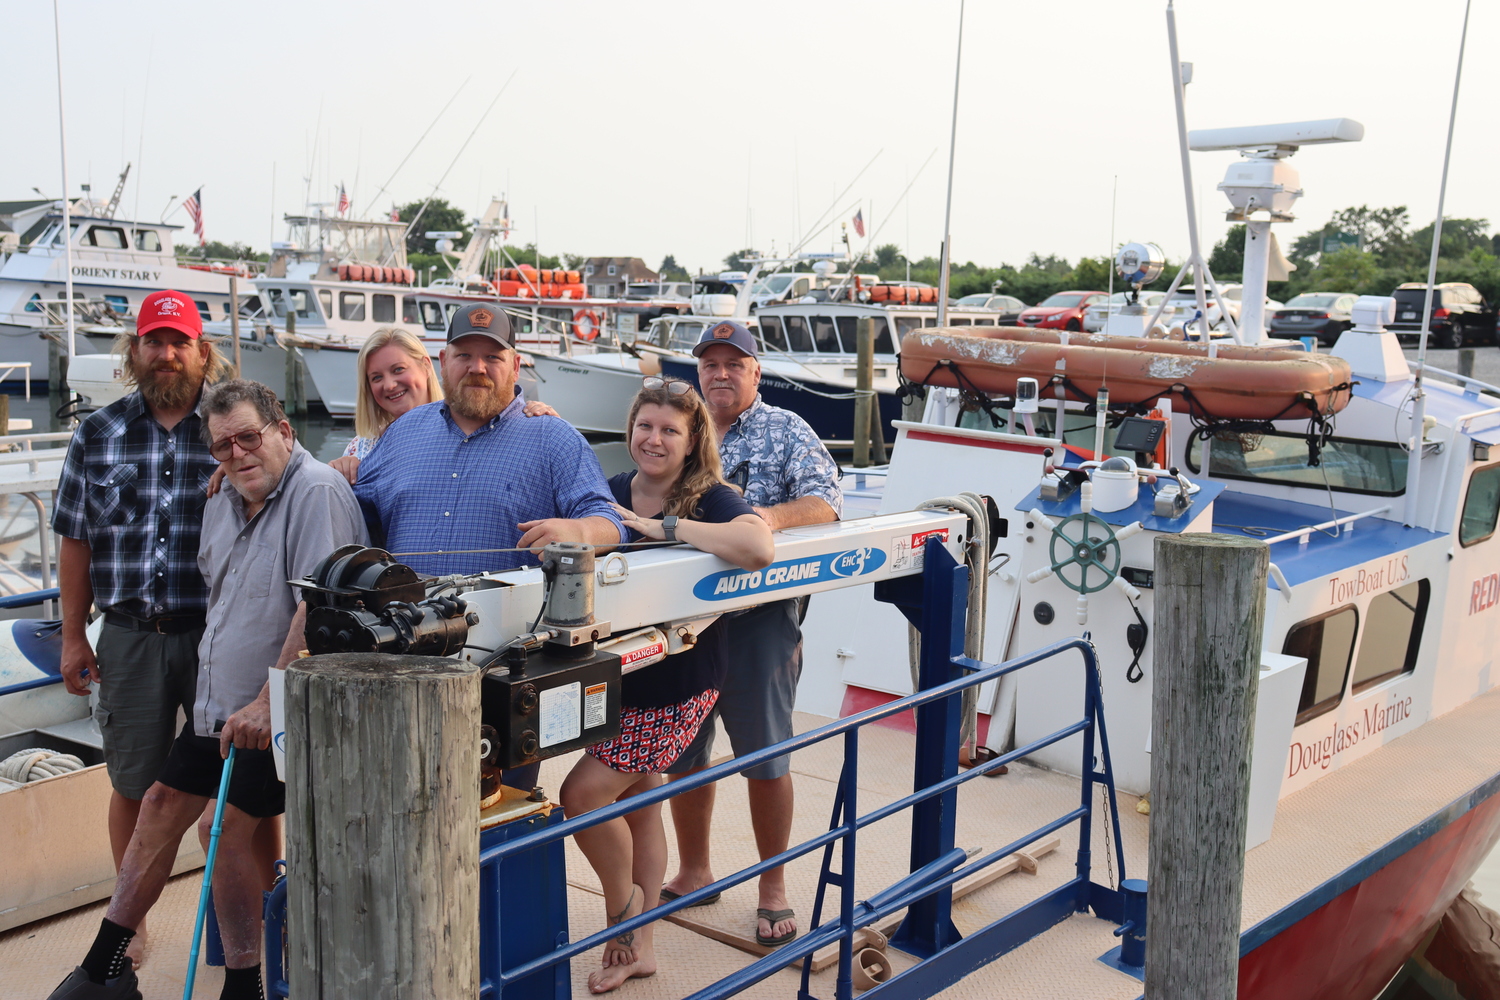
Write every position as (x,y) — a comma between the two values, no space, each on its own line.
(311,512)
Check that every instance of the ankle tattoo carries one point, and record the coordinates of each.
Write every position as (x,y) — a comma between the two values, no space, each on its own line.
(627,939)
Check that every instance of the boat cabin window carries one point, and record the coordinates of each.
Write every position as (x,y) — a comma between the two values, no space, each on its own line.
(228,313)
(352,305)
(906,324)
(301,301)
(432,316)
(383,308)
(204,310)
(825,335)
(105,237)
(1328,643)
(849,334)
(277,301)
(772,337)
(797,337)
(55,235)
(118,304)
(684,336)
(325,299)
(451,308)
(148,240)
(409,310)
(960,322)
(1481,505)
(1393,634)
(34,304)
(1377,468)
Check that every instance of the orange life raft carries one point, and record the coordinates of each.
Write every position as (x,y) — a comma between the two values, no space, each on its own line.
(1240,383)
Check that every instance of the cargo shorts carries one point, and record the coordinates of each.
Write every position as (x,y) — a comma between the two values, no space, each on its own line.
(760,688)
(145,677)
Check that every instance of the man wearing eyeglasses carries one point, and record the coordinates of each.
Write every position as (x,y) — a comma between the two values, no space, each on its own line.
(790,480)
(128,506)
(284,514)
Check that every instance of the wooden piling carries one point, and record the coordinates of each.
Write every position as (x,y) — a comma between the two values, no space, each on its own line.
(295,403)
(234,322)
(1210,607)
(1466,361)
(382,827)
(864,382)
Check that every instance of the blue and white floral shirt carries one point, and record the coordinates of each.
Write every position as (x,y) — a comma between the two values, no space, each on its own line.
(776,457)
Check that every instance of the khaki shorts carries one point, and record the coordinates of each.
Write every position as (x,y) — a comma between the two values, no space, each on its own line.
(145,678)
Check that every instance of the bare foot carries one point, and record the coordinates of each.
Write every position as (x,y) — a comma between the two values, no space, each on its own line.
(136,950)
(774,899)
(628,956)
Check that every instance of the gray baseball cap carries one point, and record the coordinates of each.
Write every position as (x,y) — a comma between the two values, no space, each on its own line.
(736,335)
(484,319)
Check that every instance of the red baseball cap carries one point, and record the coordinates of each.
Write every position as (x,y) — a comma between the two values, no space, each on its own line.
(172,310)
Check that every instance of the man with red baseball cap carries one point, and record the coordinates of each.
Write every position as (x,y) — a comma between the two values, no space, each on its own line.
(128,511)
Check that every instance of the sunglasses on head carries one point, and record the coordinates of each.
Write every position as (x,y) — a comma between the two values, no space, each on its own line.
(675,386)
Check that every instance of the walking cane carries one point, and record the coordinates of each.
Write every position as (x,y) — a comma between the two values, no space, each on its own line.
(208,873)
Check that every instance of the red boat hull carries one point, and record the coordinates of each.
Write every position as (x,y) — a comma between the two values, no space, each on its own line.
(1350,947)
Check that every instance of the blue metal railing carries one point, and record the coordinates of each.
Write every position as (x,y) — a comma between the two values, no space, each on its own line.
(935,602)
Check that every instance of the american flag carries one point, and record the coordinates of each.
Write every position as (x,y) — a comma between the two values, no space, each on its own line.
(859,222)
(343,200)
(194,206)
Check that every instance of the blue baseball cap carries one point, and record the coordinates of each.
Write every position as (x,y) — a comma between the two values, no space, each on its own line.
(736,335)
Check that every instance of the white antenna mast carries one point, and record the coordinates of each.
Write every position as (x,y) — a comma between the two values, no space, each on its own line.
(67,229)
(942,303)
(1419,403)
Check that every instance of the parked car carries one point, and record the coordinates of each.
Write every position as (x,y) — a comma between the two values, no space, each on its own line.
(1063,311)
(1324,315)
(1095,317)
(675,290)
(1008,306)
(715,295)
(1185,301)
(1459,313)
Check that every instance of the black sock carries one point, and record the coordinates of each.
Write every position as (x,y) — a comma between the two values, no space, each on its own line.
(106,959)
(242,984)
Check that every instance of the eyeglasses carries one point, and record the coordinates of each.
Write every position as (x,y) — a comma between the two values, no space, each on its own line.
(674,386)
(248,441)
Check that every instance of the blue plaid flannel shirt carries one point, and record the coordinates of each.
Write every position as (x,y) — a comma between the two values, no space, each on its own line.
(135,493)
(428,487)
(776,457)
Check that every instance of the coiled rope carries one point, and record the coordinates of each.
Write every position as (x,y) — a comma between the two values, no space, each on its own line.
(38,763)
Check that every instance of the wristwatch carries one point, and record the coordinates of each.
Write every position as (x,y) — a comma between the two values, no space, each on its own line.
(669,525)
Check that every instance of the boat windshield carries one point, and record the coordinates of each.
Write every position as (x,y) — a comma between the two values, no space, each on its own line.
(774,285)
(1063,299)
(1377,468)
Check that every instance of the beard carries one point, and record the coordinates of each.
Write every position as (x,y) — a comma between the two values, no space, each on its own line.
(476,397)
(168,385)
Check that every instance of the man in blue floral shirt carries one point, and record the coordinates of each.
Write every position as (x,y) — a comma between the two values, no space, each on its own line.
(790,480)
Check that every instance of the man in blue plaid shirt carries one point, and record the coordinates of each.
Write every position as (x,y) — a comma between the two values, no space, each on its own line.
(128,511)
(473,472)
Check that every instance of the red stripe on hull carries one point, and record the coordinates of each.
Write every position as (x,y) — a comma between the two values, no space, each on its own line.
(1349,948)
(972,442)
(858,699)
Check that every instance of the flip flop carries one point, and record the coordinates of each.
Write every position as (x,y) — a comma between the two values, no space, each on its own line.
(771,917)
(667,895)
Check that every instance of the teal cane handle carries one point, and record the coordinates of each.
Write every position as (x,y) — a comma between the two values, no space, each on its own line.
(208,874)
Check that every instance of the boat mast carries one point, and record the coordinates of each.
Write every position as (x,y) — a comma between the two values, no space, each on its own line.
(1195,257)
(942,303)
(67,223)
(1419,394)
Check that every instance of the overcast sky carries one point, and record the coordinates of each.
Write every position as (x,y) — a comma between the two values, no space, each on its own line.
(694,129)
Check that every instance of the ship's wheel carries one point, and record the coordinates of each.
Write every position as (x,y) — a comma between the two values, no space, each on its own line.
(1085,553)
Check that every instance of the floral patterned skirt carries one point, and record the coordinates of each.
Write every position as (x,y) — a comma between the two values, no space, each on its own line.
(651,739)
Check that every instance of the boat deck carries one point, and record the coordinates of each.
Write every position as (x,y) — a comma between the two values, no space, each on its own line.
(1314,841)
